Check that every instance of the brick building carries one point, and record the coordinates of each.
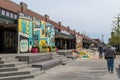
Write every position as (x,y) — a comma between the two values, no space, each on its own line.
(9,30)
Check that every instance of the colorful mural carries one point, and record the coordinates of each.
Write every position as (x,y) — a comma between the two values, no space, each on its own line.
(25,32)
(51,35)
(34,33)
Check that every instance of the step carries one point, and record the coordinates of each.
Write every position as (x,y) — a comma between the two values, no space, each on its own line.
(7,65)
(57,56)
(67,61)
(39,72)
(7,57)
(12,64)
(20,77)
(36,75)
(73,56)
(1,62)
(47,64)
(31,69)
(8,69)
(4,74)
(7,61)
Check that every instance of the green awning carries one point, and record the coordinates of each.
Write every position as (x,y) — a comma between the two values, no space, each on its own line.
(62,35)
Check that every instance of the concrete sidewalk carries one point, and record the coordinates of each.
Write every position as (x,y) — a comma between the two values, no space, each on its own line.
(82,69)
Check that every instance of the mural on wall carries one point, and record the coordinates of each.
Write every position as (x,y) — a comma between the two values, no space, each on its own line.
(25,32)
(51,34)
(78,42)
(34,33)
(37,30)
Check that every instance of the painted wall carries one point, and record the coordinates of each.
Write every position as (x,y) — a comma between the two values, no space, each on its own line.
(34,33)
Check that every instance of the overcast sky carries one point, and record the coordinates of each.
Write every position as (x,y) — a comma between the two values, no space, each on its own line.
(92,17)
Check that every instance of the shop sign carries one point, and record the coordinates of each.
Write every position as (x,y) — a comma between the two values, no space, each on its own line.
(27,17)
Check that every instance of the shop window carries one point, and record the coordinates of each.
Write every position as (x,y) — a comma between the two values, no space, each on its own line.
(15,16)
(7,13)
(3,12)
(11,15)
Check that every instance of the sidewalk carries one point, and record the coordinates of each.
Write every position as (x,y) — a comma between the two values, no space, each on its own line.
(81,69)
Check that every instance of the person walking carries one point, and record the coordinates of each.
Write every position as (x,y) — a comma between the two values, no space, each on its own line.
(100,50)
(110,55)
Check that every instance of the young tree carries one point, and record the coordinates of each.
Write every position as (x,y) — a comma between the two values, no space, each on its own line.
(115,34)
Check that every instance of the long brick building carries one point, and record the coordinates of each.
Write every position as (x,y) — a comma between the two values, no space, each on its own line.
(21,29)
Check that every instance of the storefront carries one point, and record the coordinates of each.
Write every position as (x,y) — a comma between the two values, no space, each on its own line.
(65,41)
(8,31)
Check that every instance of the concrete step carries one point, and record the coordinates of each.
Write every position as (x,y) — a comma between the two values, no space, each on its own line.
(58,56)
(12,64)
(66,61)
(39,72)
(7,57)
(20,77)
(36,74)
(1,62)
(47,64)
(34,71)
(7,61)
(15,73)
(31,69)
(8,69)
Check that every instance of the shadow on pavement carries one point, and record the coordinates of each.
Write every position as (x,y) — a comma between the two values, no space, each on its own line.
(118,72)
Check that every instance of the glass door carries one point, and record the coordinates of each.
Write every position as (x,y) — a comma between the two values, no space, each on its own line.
(10,41)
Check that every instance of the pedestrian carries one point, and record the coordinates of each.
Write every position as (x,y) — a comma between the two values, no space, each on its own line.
(110,55)
(100,50)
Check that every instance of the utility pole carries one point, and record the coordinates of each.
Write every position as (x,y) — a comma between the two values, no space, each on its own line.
(102,38)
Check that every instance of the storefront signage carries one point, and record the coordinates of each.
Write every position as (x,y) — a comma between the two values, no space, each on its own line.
(27,17)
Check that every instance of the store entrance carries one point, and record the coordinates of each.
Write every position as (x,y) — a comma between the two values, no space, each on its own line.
(8,40)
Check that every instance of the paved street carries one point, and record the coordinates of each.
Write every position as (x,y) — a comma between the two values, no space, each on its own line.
(82,69)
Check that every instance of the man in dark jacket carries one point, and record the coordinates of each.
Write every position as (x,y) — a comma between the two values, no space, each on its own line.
(100,50)
(110,54)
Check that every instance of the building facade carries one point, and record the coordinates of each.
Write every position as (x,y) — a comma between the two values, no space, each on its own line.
(21,30)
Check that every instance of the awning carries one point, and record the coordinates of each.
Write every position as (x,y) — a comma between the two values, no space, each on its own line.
(65,36)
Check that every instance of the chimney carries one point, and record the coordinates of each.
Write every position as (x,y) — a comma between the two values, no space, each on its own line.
(74,31)
(23,7)
(46,18)
(68,28)
(59,24)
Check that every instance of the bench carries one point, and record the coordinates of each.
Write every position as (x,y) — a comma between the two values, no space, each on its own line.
(47,64)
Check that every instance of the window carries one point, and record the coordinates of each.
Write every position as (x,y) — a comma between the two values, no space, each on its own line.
(15,16)
(0,11)
(11,15)
(3,12)
(7,13)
